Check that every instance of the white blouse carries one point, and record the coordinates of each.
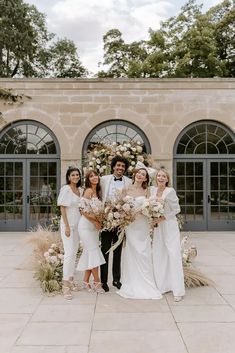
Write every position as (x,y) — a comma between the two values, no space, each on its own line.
(70,201)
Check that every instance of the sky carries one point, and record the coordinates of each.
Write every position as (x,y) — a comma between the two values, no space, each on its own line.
(87,21)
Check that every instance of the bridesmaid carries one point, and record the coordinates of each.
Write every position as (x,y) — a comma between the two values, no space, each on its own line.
(167,260)
(68,201)
(89,228)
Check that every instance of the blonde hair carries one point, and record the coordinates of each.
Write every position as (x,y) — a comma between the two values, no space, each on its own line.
(167,174)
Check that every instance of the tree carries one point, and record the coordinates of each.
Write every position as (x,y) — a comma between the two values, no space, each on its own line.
(25,43)
(64,60)
(190,44)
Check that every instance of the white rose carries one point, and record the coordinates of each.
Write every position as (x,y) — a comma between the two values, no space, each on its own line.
(110,217)
(133,163)
(116,215)
(101,169)
(93,158)
(139,149)
(122,148)
(104,167)
(126,207)
(138,143)
(46,254)
(90,163)
(133,149)
(131,168)
(128,145)
(51,251)
(98,166)
(98,161)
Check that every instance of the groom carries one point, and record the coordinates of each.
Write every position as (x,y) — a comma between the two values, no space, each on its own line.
(110,184)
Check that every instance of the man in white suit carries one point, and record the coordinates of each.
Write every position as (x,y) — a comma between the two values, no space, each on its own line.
(110,184)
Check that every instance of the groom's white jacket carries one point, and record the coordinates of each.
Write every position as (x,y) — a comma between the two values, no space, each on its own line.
(105,185)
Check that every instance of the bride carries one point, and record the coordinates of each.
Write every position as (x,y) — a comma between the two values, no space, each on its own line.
(137,269)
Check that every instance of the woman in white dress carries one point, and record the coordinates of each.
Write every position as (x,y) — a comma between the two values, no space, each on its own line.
(167,259)
(68,201)
(89,227)
(137,269)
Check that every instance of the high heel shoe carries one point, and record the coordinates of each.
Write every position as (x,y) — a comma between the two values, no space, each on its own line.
(87,286)
(98,288)
(73,286)
(67,292)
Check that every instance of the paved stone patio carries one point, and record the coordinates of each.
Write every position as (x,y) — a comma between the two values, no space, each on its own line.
(204,322)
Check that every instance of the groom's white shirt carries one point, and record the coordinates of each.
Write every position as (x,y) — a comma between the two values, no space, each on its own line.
(109,186)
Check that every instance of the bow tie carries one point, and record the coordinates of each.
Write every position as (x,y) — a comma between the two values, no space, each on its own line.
(116,179)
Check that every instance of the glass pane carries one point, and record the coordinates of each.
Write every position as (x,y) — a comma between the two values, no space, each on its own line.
(220,132)
(2,185)
(9,198)
(185,139)
(9,168)
(201,149)
(18,212)
(231,196)
(41,133)
(215,198)
(222,148)
(198,213)
(2,198)
(111,129)
(198,198)
(223,183)
(224,212)
(198,183)
(34,168)
(212,149)
(189,183)
(18,168)
(18,198)
(181,196)
(214,168)
(231,149)
(223,168)
(31,149)
(130,132)
(180,168)
(232,212)
(19,183)
(231,183)
(189,168)
(224,198)
(189,213)
(52,168)
(121,129)
(43,168)
(228,139)
(32,129)
(52,148)
(180,183)
(52,183)
(2,168)
(191,147)
(214,212)
(201,128)
(192,132)
(2,213)
(232,168)
(9,183)
(211,128)
(189,198)
(180,149)
(214,183)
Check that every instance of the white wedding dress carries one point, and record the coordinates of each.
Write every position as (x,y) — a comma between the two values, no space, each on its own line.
(137,269)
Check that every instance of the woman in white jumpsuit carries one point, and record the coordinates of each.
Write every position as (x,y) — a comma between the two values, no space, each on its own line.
(167,259)
(68,200)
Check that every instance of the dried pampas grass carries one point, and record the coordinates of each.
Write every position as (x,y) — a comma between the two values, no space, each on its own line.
(194,278)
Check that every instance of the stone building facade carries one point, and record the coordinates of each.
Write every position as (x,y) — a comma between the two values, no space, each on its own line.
(188,125)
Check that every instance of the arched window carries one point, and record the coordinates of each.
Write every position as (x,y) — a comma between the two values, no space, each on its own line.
(29,175)
(205,138)
(204,176)
(28,137)
(118,131)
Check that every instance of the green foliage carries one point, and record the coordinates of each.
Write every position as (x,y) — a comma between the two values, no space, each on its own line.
(191,44)
(26,47)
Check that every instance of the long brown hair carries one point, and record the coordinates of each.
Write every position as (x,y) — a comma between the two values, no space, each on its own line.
(146,182)
(88,183)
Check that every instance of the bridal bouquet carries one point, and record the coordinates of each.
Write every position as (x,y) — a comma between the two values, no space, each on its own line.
(93,207)
(119,213)
(152,209)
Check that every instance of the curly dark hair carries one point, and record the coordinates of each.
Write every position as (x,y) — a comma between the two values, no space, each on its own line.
(119,159)
(88,183)
(69,172)
(146,182)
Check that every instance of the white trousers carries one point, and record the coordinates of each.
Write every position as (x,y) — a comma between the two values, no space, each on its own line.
(70,244)
(167,259)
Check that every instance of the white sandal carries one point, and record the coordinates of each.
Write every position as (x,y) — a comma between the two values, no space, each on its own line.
(73,286)
(98,288)
(67,292)
(87,286)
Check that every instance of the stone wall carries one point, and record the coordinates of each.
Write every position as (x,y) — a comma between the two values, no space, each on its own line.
(162,108)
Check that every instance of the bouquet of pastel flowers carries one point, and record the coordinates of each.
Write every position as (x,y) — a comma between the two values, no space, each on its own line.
(119,213)
(93,207)
(152,209)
